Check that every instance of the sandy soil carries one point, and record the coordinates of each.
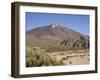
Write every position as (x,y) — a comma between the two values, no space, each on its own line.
(71,57)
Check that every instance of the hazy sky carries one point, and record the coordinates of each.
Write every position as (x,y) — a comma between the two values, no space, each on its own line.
(78,23)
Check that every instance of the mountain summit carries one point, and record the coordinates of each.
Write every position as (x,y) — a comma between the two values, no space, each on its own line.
(56,35)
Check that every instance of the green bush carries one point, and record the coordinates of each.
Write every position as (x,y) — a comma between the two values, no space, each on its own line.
(37,57)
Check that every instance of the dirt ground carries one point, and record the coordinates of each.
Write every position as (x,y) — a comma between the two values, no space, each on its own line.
(73,57)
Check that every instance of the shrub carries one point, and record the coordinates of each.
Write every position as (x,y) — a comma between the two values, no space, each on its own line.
(37,57)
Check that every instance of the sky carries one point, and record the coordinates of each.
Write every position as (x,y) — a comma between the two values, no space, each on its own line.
(78,23)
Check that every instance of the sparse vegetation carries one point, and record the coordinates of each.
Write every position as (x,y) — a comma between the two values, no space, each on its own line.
(73,57)
(38,57)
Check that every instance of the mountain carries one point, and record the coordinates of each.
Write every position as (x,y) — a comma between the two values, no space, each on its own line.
(56,37)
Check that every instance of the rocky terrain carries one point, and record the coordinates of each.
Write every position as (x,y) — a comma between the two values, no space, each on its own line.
(55,37)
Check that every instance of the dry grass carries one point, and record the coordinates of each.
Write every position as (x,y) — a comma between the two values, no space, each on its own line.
(37,57)
(73,57)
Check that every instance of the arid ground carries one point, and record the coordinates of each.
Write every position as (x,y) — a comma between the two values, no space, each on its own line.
(71,57)
(37,57)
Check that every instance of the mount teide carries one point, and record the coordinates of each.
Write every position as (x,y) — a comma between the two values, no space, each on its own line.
(55,37)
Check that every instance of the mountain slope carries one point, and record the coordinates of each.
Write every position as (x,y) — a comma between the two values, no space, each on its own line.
(57,37)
